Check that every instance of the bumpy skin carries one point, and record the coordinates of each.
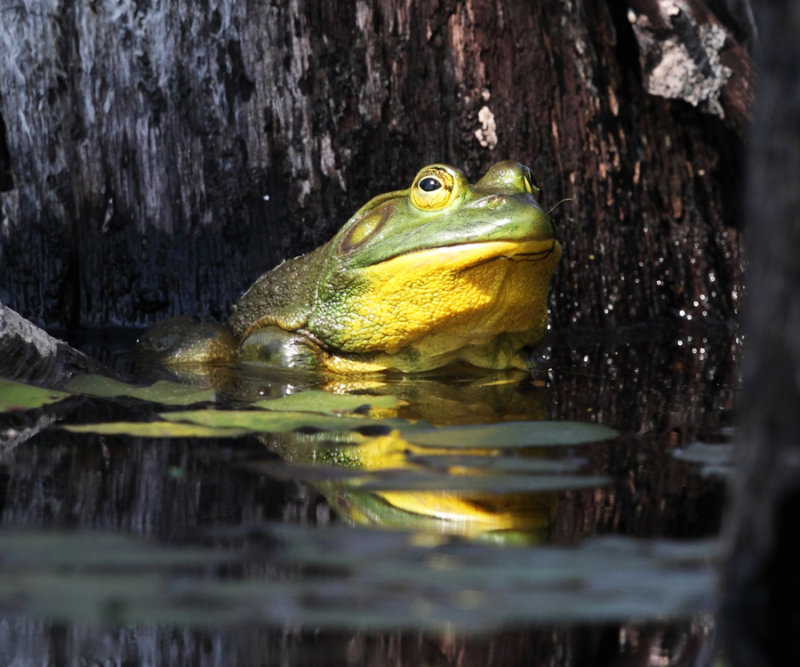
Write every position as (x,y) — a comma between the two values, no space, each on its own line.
(416,279)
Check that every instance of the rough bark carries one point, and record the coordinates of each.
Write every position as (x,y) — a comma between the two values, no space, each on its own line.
(161,155)
(761,578)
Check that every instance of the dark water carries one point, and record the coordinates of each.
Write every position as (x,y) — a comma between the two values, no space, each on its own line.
(273,548)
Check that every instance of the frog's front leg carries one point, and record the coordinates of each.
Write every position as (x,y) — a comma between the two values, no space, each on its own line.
(277,347)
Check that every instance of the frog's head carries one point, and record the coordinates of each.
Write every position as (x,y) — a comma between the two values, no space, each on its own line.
(442,210)
(441,258)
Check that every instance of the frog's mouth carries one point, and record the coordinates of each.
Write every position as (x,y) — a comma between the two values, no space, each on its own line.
(465,256)
(523,254)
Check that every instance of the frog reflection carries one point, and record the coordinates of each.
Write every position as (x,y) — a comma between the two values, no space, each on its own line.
(497,516)
(471,511)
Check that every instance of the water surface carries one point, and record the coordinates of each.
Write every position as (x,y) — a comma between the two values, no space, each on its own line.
(378,530)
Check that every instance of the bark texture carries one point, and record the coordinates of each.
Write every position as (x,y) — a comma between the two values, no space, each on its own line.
(762,582)
(158,156)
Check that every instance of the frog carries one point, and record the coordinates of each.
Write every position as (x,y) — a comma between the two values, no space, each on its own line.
(442,272)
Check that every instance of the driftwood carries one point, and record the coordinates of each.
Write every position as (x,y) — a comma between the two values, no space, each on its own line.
(155,159)
(28,353)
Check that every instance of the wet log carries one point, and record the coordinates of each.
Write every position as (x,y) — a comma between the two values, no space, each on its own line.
(155,158)
(761,577)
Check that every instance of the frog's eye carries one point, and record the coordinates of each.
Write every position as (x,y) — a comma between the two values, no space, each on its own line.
(509,177)
(527,178)
(434,188)
(429,184)
(528,181)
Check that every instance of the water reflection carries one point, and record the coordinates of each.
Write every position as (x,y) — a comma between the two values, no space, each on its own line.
(231,494)
(489,513)
(455,399)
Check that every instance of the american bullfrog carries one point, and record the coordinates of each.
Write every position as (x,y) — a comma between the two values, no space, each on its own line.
(441,272)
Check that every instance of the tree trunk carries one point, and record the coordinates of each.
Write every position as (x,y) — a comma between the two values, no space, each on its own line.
(159,156)
(761,579)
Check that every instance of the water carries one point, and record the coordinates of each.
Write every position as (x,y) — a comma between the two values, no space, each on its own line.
(396,543)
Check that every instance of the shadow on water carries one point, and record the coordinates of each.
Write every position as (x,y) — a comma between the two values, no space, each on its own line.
(329,529)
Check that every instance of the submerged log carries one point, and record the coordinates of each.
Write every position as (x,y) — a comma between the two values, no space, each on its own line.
(156,158)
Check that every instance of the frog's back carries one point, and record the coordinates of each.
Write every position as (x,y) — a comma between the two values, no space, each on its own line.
(282,297)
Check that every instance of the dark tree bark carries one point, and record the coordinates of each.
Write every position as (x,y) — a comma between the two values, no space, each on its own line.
(159,156)
(761,578)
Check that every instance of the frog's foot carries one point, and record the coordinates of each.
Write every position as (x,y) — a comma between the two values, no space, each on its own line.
(285,349)
(504,351)
(184,340)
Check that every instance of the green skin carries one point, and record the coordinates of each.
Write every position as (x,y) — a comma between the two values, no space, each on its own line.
(296,314)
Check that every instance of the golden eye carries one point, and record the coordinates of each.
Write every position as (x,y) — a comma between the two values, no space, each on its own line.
(434,188)
(527,177)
